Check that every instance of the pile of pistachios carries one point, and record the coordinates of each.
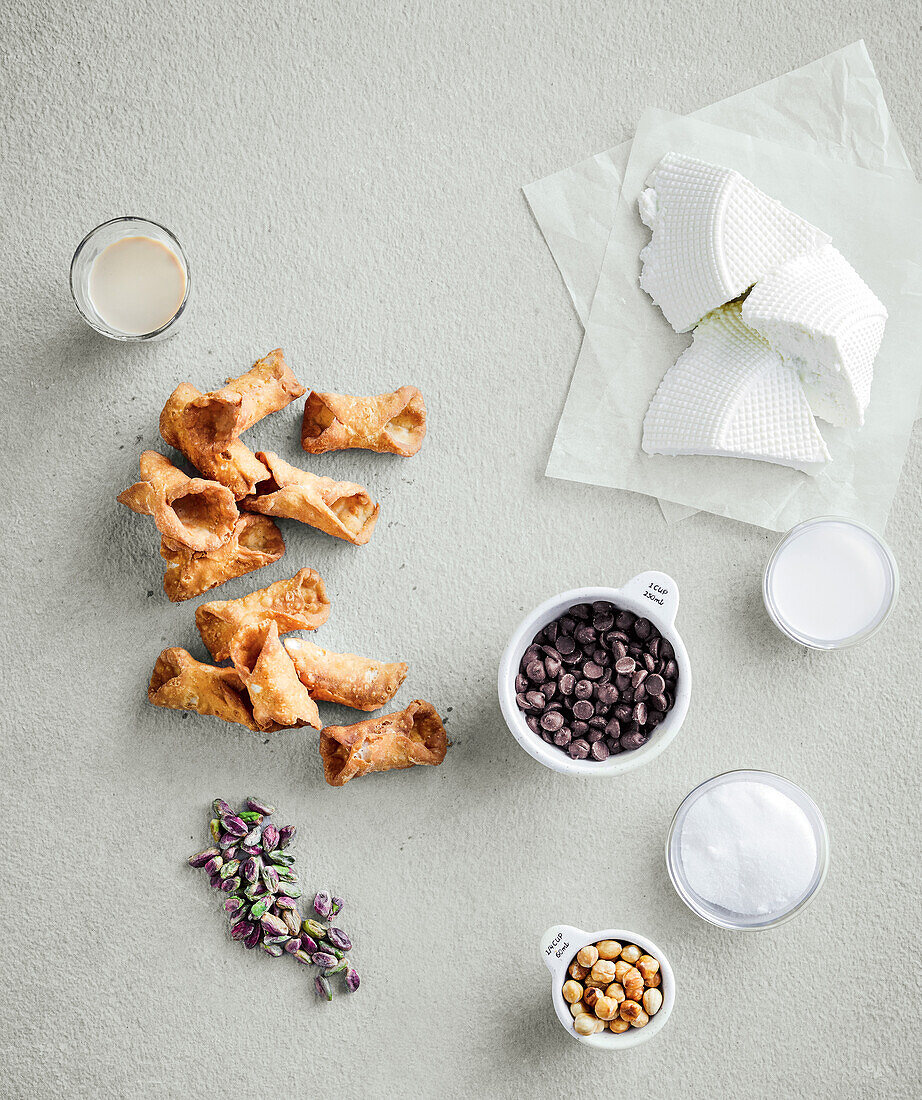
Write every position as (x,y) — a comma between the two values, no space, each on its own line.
(249,862)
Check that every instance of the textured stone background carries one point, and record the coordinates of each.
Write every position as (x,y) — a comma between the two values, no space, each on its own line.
(345,177)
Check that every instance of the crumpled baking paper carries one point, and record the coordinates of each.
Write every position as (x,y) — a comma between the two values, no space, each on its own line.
(834,105)
(874,219)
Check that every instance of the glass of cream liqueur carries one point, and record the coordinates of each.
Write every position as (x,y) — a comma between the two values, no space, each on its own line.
(831,582)
(130,280)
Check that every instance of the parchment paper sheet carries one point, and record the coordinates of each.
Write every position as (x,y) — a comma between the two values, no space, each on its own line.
(834,105)
(875,219)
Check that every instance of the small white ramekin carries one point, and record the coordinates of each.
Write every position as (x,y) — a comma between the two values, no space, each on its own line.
(653,595)
(559,946)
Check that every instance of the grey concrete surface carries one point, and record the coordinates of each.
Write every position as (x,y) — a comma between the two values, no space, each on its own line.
(345,177)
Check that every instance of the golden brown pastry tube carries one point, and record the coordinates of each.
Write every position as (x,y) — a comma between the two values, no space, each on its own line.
(189,512)
(276,694)
(192,430)
(182,683)
(267,387)
(385,422)
(339,508)
(299,603)
(345,678)
(254,542)
(412,736)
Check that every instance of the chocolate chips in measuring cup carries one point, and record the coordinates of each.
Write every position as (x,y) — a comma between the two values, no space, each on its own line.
(596,681)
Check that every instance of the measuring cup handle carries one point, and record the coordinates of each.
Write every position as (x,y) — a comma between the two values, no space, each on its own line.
(557,945)
(659,588)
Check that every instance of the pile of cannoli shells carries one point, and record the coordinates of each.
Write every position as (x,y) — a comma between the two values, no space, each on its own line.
(205,540)
(272,684)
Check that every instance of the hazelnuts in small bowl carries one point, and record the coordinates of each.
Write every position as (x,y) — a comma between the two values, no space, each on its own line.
(611,989)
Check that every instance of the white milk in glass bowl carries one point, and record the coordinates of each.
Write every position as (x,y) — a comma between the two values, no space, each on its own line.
(830,583)
(130,279)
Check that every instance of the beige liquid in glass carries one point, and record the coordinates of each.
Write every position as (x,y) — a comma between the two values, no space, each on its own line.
(136,285)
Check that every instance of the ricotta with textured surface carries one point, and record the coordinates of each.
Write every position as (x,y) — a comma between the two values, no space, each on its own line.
(714,235)
(730,394)
(828,324)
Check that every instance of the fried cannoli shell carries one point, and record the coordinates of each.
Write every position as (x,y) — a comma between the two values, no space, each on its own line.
(182,683)
(346,678)
(385,422)
(298,603)
(339,508)
(254,542)
(194,429)
(267,387)
(276,694)
(188,511)
(412,736)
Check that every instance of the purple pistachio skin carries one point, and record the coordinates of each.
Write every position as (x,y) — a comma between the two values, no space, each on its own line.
(251,840)
(259,807)
(293,945)
(270,838)
(309,944)
(250,849)
(322,905)
(286,835)
(322,987)
(233,906)
(273,925)
(228,840)
(230,885)
(302,957)
(214,865)
(352,980)
(242,929)
(252,940)
(201,859)
(338,938)
(220,808)
(234,825)
(323,959)
(217,883)
(250,870)
(335,905)
(283,902)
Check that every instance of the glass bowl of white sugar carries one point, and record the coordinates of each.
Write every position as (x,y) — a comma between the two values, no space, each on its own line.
(747,850)
(830,583)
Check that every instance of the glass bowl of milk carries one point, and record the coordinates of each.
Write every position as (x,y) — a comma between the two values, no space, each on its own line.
(130,280)
(747,850)
(830,583)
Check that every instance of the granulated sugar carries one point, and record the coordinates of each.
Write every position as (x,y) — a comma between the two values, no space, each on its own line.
(748,848)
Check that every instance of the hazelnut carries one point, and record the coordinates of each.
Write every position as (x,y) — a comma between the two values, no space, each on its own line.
(652,1001)
(594,983)
(606,1009)
(633,984)
(584,1024)
(631,953)
(629,1010)
(621,968)
(618,1026)
(608,949)
(640,1021)
(572,992)
(591,996)
(578,1008)
(654,980)
(647,966)
(615,992)
(603,971)
(588,955)
(578,972)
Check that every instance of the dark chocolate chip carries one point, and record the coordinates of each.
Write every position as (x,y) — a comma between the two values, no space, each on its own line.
(623,665)
(606,694)
(656,685)
(600,751)
(585,635)
(583,689)
(579,749)
(618,649)
(640,713)
(566,683)
(565,644)
(665,650)
(567,625)
(633,740)
(671,670)
(623,682)
(638,677)
(531,654)
(597,722)
(623,713)
(549,689)
(624,620)
(603,621)
(521,682)
(562,737)
(552,666)
(581,611)
(649,663)
(583,710)
(657,702)
(654,717)
(601,656)
(535,672)
(550,633)
(643,628)
(580,729)
(536,699)
(603,607)
(613,728)
(551,720)
(523,703)
(592,671)
(640,692)
(532,722)
(614,745)
(653,646)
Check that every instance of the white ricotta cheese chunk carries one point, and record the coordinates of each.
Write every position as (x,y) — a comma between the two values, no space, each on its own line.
(730,394)
(714,235)
(828,324)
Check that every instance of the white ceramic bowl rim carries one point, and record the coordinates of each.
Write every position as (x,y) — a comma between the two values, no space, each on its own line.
(653,595)
(559,945)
